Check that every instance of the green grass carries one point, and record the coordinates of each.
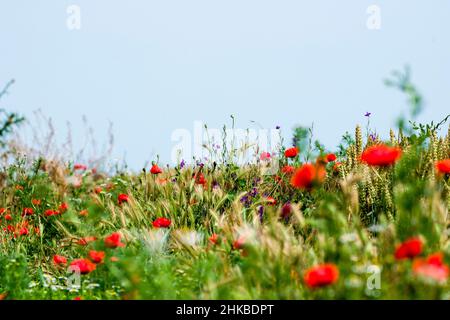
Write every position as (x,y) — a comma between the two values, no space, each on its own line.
(355,219)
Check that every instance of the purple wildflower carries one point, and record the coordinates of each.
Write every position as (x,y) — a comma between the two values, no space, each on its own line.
(246,201)
(256,181)
(254,192)
(260,213)
(200,164)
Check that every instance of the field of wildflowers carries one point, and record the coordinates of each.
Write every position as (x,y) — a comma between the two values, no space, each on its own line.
(367,221)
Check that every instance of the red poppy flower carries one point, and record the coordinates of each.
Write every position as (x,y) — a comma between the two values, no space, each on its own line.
(113,241)
(288,169)
(59,260)
(155,169)
(432,268)
(162,223)
(308,175)
(436,259)
(86,240)
(409,249)
(331,157)
(200,179)
(28,211)
(271,201)
(161,181)
(286,210)
(336,166)
(291,152)
(97,190)
(121,198)
(96,256)
(239,243)
(77,298)
(36,202)
(214,238)
(264,156)
(23,231)
(63,207)
(381,155)
(443,166)
(49,213)
(2,211)
(80,167)
(8,217)
(321,275)
(84,266)
(84,213)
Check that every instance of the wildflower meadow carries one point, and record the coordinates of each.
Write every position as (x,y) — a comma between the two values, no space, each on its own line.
(366,220)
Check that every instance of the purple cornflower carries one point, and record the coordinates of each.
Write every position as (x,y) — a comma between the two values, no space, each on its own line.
(277,127)
(256,181)
(182,164)
(260,213)
(254,192)
(200,164)
(367,114)
(244,198)
(246,201)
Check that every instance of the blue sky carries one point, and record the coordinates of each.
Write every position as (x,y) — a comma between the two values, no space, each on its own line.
(151,67)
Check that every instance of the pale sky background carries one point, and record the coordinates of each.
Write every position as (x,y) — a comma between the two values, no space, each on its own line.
(151,67)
